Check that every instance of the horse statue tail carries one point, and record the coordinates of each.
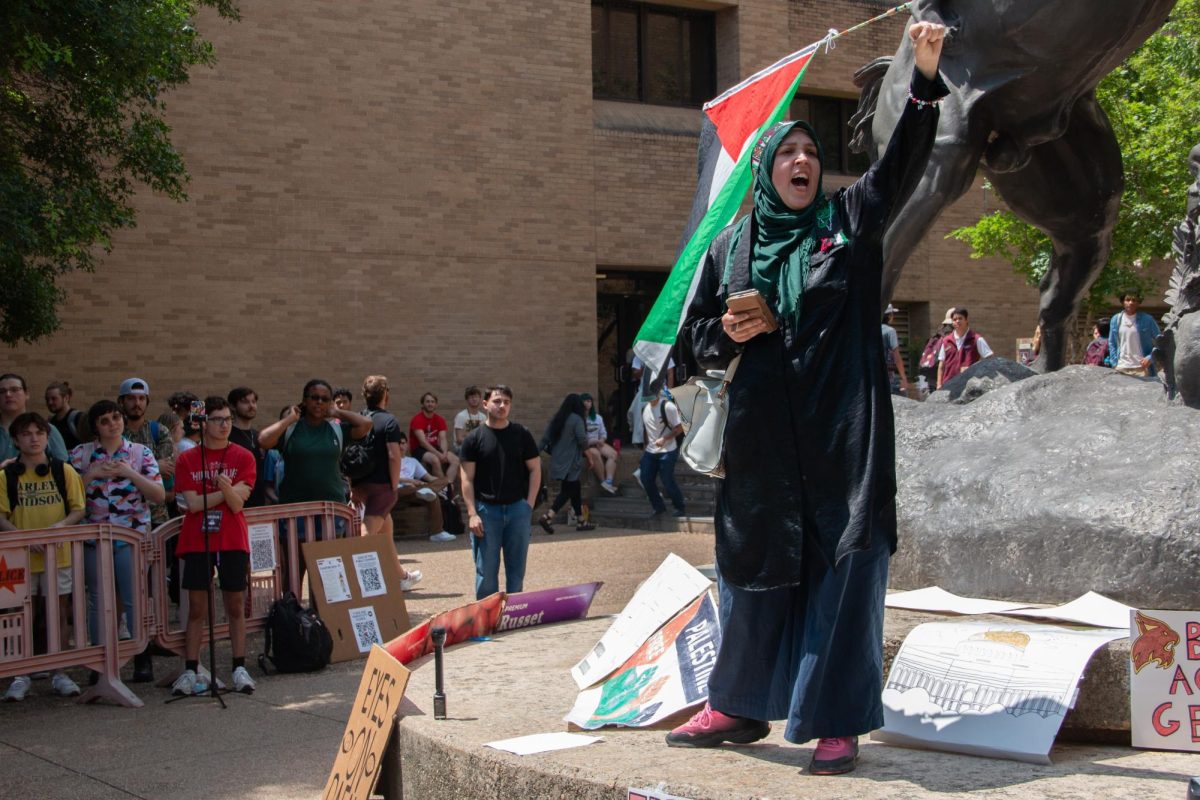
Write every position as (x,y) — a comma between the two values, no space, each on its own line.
(868,79)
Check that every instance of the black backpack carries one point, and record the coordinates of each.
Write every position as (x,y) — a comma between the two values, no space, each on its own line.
(12,474)
(662,410)
(360,456)
(296,639)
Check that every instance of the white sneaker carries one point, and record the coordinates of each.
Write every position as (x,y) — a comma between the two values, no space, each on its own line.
(186,683)
(443,536)
(242,682)
(608,487)
(637,474)
(426,494)
(414,577)
(18,689)
(123,629)
(63,686)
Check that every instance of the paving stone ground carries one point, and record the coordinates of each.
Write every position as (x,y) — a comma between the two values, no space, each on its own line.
(279,743)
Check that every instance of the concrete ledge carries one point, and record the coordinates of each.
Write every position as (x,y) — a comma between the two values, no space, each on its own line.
(519,684)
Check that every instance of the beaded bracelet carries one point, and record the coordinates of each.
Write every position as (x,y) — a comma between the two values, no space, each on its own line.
(922,104)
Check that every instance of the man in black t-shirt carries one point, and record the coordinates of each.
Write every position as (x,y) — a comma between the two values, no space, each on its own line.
(377,491)
(243,402)
(501,473)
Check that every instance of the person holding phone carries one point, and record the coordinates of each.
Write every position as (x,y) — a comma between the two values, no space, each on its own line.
(806,516)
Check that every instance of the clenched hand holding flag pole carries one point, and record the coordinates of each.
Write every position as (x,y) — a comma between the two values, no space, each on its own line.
(732,123)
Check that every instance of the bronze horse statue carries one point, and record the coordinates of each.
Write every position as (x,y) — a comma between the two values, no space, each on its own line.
(1022,108)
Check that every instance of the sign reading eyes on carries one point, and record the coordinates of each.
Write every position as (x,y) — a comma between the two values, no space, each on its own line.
(356,765)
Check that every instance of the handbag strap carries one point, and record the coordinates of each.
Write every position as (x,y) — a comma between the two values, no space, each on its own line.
(728,377)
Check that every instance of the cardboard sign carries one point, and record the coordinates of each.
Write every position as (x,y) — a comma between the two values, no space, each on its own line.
(14,577)
(356,766)
(526,609)
(472,620)
(358,598)
(1164,679)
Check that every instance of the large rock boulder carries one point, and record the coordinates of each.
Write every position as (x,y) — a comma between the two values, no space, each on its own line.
(1043,489)
(979,379)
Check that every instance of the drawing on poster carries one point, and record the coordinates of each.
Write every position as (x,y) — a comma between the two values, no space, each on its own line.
(262,547)
(986,688)
(14,577)
(333,578)
(1164,679)
(366,628)
(370,574)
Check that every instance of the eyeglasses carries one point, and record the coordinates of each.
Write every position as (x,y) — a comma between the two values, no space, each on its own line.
(11,390)
(320,398)
(221,420)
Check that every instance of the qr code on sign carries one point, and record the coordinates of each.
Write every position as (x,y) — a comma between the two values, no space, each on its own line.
(366,628)
(371,581)
(262,548)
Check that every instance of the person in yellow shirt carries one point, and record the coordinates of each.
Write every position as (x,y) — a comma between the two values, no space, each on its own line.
(37,492)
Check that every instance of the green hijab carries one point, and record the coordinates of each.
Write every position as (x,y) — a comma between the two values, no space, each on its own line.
(784,238)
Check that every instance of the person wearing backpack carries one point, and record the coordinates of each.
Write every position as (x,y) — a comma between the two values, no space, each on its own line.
(62,416)
(373,463)
(39,491)
(663,427)
(565,440)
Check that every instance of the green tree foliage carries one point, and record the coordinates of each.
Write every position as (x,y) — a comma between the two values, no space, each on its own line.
(82,125)
(1153,103)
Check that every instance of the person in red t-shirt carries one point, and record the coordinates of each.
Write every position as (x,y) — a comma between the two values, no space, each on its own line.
(429,437)
(226,477)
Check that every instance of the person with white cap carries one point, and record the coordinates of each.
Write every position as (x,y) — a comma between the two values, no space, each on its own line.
(891,353)
(134,398)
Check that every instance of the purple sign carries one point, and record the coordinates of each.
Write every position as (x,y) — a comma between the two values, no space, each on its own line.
(526,609)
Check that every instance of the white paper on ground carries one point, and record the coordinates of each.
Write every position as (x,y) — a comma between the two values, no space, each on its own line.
(543,743)
(1089,609)
(935,598)
(672,586)
(986,688)
(333,578)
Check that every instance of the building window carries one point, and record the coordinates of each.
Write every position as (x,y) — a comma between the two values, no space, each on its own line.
(830,117)
(653,54)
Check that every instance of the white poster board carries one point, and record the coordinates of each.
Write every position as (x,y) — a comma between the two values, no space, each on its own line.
(672,586)
(986,688)
(1164,668)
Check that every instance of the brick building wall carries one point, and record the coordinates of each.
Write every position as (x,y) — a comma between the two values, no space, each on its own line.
(427,189)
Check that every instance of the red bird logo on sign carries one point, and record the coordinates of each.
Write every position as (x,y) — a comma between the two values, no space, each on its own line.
(1155,642)
(10,578)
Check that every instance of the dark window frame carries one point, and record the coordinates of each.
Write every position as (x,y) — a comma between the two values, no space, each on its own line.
(838,160)
(702,76)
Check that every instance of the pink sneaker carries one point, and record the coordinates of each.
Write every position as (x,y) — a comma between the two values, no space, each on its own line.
(834,756)
(709,728)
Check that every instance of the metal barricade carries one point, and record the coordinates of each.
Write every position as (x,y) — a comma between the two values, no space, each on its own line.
(104,656)
(321,521)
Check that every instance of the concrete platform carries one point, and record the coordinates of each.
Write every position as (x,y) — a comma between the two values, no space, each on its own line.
(519,684)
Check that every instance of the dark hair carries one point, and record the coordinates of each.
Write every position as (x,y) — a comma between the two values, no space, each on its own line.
(283,412)
(960,311)
(1134,293)
(181,399)
(497,387)
(428,394)
(99,409)
(23,421)
(571,404)
(585,396)
(403,436)
(62,387)
(215,402)
(472,389)
(8,376)
(1104,327)
(342,391)
(239,394)
(315,382)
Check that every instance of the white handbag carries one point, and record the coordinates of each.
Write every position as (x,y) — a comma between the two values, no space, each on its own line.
(703,405)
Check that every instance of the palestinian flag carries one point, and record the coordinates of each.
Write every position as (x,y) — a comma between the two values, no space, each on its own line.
(732,124)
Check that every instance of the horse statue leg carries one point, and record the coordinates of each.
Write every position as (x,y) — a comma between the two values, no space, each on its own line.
(1070,189)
